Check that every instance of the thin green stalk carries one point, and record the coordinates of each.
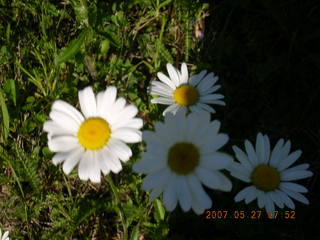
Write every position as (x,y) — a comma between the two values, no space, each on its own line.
(68,187)
(118,203)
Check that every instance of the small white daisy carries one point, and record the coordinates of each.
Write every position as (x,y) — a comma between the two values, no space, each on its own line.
(181,154)
(96,138)
(5,236)
(180,91)
(269,173)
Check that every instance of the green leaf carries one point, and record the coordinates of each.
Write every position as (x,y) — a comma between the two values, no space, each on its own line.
(71,50)
(5,116)
(13,91)
(36,81)
(104,47)
(135,233)
(159,210)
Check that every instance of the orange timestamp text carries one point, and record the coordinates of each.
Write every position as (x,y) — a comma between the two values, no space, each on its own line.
(253,214)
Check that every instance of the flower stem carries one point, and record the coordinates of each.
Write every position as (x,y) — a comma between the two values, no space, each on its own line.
(118,204)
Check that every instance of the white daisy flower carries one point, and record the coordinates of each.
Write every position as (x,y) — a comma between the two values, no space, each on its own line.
(5,236)
(180,91)
(181,154)
(96,138)
(269,173)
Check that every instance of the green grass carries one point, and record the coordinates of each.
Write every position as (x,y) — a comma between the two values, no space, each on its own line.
(263,51)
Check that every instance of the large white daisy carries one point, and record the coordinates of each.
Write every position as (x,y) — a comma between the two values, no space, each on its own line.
(181,154)
(180,91)
(269,173)
(5,236)
(96,138)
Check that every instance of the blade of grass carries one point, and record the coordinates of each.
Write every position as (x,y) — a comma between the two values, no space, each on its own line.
(71,50)
(5,116)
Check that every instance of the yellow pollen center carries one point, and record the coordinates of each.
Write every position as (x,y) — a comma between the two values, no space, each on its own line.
(265,178)
(183,158)
(186,95)
(94,133)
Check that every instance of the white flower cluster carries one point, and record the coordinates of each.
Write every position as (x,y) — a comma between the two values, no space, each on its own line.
(184,151)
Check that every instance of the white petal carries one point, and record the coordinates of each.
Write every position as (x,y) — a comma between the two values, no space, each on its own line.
(285,199)
(269,205)
(162,100)
(64,121)
(276,199)
(219,141)
(198,193)
(217,102)
(251,194)
(295,195)
(184,74)
(208,178)
(243,193)
(115,109)
(112,160)
(120,149)
(170,197)
(72,160)
(195,109)
(213,179)
(289,160)
(295,175)
(87,102)
(195,79)
(156,192)
(205,107)
(85,165)
(261,198)
(162,86)
(211,97)
(103,163)
(94,169)
(207,82)
(68,109)
(149,165)
(260,149)
(174,74)
(128,135)
(239,172)
(243,158)
(167,93)
(154,179)
(183,193)
(209,142)
(282,154)
(136,123)
(251,153)
(108,99)
(216,161)
(173,108)
(210,90)
(60,157)
(54,129)
(267,148)
(166,80)
(276,152)
(63,143)
(127,112)
(294,187)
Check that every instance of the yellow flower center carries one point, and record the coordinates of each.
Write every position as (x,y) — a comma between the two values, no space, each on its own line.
(183,158)
(186,95)
(265,178)
(94,133)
